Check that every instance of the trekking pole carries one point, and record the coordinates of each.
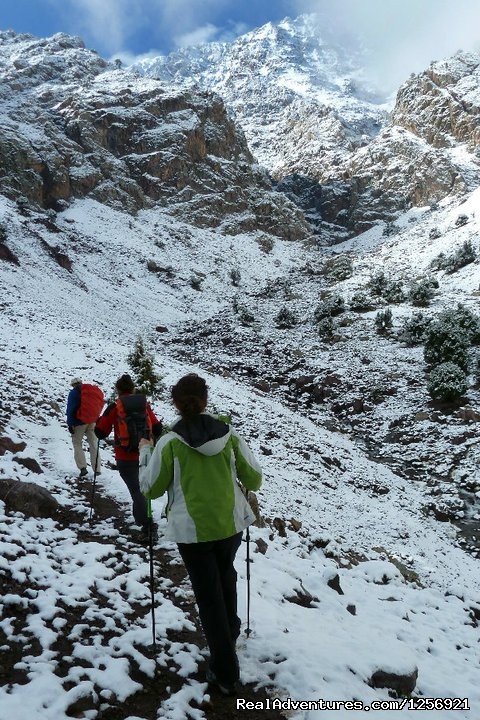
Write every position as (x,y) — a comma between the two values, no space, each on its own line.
(94,479)
(247,631)
(152,581)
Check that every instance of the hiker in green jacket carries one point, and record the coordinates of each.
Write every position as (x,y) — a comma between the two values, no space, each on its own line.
(198,463)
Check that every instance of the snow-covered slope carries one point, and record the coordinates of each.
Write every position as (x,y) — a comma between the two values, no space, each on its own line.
(359,465)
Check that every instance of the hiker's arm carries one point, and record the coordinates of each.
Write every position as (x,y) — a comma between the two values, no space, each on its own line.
(156,468)
(249,471)
(157,425)
(104,424)
(73,403)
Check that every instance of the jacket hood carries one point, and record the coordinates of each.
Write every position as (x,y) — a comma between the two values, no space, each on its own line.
(204,433)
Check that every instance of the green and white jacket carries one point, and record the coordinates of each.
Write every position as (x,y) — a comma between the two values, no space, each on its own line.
(199,462)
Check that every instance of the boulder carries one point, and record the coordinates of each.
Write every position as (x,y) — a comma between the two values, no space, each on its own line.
(402,683)
(28,498)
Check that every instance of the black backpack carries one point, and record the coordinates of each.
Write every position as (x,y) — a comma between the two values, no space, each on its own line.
(133,422)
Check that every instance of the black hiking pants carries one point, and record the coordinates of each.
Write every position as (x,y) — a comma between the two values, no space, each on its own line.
(128,470)
(214,581)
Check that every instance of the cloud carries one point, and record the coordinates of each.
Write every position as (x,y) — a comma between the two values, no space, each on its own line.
(199,35)
(185,16)
(116,27)
(404,35)
(209,32)
(108,22)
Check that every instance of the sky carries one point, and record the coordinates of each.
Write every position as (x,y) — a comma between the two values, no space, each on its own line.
(404,35)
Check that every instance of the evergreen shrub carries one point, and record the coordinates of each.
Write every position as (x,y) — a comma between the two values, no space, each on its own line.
(383,321)
(329,307)
(414,329)
(461,257)
(361,302)
(422,291)
(447,382)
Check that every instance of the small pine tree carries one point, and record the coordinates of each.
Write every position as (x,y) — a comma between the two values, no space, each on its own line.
(235,276)
(465,319)
(245,315)
(377,283)
(390,290)
(461,220)
(462,256)
(196,282)
(285,318)
(447,382)
(465,255)
(339,268)
(384,321)
(325,328)
(141,362)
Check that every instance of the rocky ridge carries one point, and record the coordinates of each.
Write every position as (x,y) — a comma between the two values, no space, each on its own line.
(74,126)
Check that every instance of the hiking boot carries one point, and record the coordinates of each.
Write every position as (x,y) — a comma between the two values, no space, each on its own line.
(225,689)
(83,472)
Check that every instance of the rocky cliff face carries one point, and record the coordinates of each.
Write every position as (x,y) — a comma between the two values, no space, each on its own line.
(442,104)
(73,126)
(326,137)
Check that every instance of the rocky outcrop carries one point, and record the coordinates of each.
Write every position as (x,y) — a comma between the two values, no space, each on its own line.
(442,104)
(73,126)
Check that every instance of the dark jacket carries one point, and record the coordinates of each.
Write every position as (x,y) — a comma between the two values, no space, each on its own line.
(108,421)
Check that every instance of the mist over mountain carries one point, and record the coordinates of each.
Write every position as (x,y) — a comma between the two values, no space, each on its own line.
(258,213)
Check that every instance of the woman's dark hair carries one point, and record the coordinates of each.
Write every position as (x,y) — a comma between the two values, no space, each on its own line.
(190,395)
(125,384)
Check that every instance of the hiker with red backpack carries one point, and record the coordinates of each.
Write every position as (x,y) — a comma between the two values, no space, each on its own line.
(84,405)
(131,418)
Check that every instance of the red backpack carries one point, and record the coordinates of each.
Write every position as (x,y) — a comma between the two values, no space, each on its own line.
(92,401)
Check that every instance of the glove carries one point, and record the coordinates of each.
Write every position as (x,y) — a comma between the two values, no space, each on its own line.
(71,429)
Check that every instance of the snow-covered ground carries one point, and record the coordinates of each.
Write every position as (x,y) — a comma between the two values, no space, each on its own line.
(410,594)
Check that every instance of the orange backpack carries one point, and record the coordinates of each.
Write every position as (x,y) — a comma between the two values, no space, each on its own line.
(92,401)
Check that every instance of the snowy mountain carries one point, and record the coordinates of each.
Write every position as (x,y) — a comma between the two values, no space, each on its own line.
(309,114)
(72,126)
(131,206)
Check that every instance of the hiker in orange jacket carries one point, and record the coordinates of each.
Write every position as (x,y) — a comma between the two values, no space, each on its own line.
(115,417)
(84,405)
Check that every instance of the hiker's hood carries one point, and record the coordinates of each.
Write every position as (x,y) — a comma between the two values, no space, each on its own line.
(205,433)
